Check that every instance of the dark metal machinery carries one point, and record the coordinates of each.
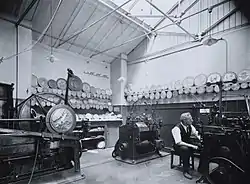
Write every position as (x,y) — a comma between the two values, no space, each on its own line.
(139,138)
(28,147)
(226,143)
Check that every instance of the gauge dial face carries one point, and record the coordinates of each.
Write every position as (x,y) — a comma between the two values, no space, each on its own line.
(61,119)
(214,78)
(229,76)
(200,80)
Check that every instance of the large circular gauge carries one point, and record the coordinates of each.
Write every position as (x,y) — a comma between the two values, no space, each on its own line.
(244,76)
(61,119)
(214,78)
(229,77)
(188,82)
(200,80)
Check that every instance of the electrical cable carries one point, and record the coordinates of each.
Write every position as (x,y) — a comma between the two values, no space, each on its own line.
(34,165)
(40,37)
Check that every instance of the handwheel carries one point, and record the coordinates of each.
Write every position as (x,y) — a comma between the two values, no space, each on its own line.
(37,106)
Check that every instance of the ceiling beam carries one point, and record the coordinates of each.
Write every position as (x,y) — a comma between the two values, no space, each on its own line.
(91,25)
(131,40)
(168,13)
(167,17)
(26,12)
(219,21)
(189,7)
(70,21)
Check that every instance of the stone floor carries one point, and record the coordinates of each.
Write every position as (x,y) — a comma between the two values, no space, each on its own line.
(100,168)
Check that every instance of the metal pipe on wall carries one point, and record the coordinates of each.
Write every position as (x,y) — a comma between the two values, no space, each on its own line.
(17,65)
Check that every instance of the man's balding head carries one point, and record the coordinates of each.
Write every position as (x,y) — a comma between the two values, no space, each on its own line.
(186,118)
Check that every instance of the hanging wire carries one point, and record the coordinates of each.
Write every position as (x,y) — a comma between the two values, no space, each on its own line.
(40,37)
(51,31)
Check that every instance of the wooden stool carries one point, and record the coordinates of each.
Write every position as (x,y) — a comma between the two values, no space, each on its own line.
(173,152)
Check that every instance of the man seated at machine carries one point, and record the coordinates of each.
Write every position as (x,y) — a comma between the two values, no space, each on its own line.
(181,134)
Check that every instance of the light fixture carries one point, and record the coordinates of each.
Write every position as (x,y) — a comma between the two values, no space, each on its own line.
(210,41)
(51,57)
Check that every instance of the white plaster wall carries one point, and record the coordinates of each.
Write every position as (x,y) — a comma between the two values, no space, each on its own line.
(25,61)
(192,62)
(41,67)
(8,48)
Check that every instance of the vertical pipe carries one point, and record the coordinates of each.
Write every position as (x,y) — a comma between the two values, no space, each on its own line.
(17,66)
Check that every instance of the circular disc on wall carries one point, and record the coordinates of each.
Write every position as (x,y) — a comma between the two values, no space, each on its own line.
(188,82)
(227,86)
(75,83)
(229,77)
(52,84)
(169,94)
(236,87)
(79,94)
(84,95)
(186,91)
(244,76)
(83,106)
(86,87)
(180,91)
(193,90)
(216,89)
(152,96)
(140,96)
(39,89)
(135,97)
(201,90)
(157,95)
(200,80)
(163,94)
(244,85)
(178,85)
(147,95)
(88,95)
(129,98)
(61,83)
(209,89)
(42,82)
(175,93)
(214,78)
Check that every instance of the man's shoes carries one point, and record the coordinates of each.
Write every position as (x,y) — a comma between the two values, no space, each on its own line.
(187,175)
